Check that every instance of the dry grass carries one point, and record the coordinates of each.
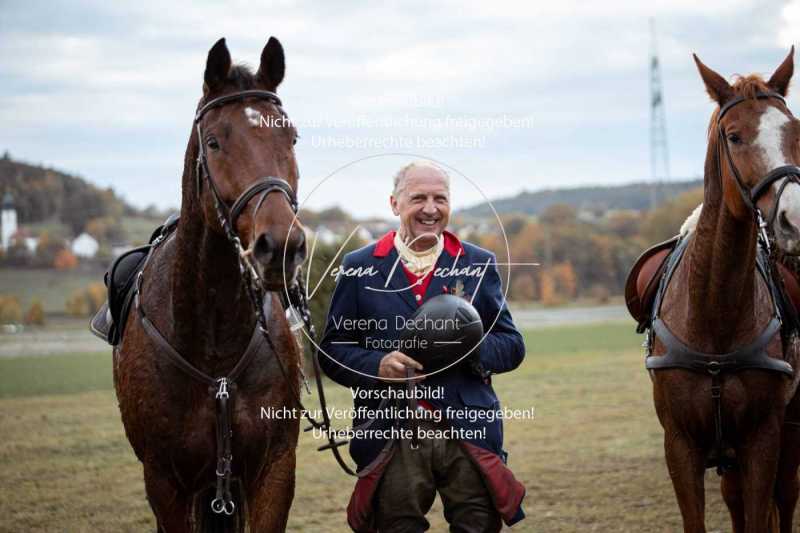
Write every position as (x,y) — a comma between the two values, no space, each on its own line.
(592,460)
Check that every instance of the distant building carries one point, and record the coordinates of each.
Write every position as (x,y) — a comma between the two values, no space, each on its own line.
(364,234)
(8,220)
(85,246)
(31,243)
(325,235)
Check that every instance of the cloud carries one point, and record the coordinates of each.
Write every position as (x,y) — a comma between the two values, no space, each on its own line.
(108,90)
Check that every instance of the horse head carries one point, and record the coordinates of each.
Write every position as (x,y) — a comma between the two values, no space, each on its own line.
(753,143)
(246,175)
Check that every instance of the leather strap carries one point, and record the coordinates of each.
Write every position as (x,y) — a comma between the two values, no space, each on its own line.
(222,100)
(265,185)
(411,402)
(749,357)
(739,99)
(180,362)
(773,176)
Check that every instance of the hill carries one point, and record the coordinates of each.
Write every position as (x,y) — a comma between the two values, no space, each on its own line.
(635,196)
(46,196)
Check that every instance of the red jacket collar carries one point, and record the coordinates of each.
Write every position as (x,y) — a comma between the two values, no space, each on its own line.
(386,243)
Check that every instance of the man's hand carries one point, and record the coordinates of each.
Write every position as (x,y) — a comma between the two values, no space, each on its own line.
(394,364)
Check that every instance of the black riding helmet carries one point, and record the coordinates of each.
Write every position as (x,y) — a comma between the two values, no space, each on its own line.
(446,327)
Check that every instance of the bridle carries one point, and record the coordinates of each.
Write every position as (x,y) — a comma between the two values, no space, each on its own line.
(294,298)
(228,216)
(750,196)
(294,301)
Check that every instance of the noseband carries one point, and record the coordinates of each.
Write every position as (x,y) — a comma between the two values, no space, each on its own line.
(264,186)
(751,196)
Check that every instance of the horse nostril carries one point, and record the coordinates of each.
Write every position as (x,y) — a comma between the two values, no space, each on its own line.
(263,249)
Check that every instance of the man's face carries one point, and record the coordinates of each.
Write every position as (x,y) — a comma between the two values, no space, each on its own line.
(423,205)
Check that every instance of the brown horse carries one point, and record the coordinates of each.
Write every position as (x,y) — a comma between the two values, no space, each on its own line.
(717,303)
(195,295)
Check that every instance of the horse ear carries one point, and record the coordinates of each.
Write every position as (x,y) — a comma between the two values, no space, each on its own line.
(783,75)
(218,65)
(718,89)
(273,65)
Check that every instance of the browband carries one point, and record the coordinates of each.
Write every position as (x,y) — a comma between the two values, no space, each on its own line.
(221,100)
(739,99)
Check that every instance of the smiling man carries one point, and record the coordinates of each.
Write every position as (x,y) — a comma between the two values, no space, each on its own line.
(420,432)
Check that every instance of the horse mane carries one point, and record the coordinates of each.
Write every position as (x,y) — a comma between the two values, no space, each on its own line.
(242,76)
(751,85)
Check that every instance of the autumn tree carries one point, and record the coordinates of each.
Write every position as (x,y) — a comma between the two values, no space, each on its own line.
(35,313)
(547,289)
(565,280)
(65,260)
(663,222)
(47,249)
(10,310)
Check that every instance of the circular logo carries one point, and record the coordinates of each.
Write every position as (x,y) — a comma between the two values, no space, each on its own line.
(380,276)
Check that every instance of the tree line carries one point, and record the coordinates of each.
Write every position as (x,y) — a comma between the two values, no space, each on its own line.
(577,258)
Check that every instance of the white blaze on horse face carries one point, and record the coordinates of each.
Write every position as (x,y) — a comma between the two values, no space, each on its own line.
(770,141)
(770,137)
(253,116)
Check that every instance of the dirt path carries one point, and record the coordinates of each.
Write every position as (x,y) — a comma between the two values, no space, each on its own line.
(61,338)
(532,318)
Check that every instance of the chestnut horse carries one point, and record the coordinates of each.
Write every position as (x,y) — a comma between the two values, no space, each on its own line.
(195,294)
(717,303)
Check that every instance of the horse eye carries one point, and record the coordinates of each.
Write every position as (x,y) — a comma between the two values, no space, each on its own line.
(212,143)
(733,138)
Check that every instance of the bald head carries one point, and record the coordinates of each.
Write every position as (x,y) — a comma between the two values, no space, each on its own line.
(419,169)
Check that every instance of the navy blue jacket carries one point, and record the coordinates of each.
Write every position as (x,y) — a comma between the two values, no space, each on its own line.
(344,349)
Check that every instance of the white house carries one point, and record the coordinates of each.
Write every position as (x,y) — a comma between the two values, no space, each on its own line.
(325,235)
(31,243)
(85,246)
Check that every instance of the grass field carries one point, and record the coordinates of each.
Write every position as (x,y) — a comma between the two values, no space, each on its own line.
(592,460)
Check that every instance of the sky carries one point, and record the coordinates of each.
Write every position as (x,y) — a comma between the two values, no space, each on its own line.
(510,97)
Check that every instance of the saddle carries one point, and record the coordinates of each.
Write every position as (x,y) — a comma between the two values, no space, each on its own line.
(120,281)
(645,275)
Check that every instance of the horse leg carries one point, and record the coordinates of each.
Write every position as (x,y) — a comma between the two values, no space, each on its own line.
(270,497)
(731,488)
(787,484)
(686,468)
(169,505)
(758,459)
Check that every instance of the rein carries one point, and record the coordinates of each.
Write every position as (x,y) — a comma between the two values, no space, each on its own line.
(294,300)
